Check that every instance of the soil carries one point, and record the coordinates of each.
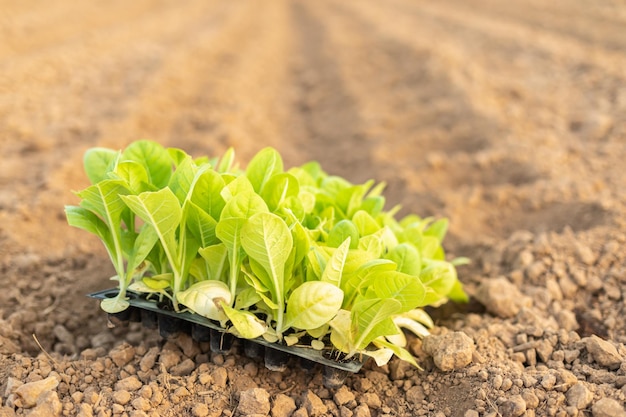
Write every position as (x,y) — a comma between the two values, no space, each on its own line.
(507,118)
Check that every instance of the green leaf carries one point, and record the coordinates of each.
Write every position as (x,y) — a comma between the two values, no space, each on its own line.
(201,225)
(154,158)
(226,163)
(215,257)
(144,242)
(207,193)
(438,278)
(407,258)
(437,229)
(182,180)
(316,262)
(301,242)
(341,232)
(246,298)
(373,205)
(278,189)
(263,166)
(365,223)
(372,318)
(406,289)
(457,294)
(98,162)
(266,238)
(87,220)
(160,209)
(350,198)
(104,199)
(158,282)
(334,267)
(228,230)
(134,176)
(177,155)
(243,206)
(360,271)
(235,185)
(313,304)
(429,246)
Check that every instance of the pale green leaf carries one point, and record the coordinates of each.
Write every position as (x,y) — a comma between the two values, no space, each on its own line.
(235,185)
(263,166)
(215,257)
(397,350)
(266,238)
(343,230)
(205,298)
(365,223)
(114,305)
(439,278)
(246,298)
(182,180)
(278,189)
(407,257)
(207,193)
(154,158)
(372,318)
(243,205)
(88,221)
(227,161)
(160,209)
(134,176)
(201,224)
(228,230)
(145,241)
(333,271)
(247,325)
(312,304)
(99,162)
(406,289)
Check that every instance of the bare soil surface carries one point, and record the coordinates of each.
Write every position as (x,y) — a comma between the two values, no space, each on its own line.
(506,117)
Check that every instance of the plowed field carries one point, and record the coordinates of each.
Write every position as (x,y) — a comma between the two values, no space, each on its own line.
(509,118)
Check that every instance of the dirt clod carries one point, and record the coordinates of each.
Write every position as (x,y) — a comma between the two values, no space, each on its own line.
(283,406)
(48,405)
(313,404)
(579,396)
(450,351)
(501,298)
(513,407)
(254,401)
(28,395)
(603,352)
(130,383)
(607,407)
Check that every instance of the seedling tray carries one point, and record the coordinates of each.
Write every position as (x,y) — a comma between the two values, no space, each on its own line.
(334,371)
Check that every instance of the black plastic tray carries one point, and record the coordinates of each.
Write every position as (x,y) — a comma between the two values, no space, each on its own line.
(309,354)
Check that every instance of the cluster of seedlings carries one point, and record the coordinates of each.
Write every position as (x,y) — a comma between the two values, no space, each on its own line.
(295,260)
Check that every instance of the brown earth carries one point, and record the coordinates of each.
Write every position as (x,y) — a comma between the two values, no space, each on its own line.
(507,118)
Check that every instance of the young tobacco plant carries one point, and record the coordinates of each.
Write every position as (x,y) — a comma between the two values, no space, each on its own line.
(266,252)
